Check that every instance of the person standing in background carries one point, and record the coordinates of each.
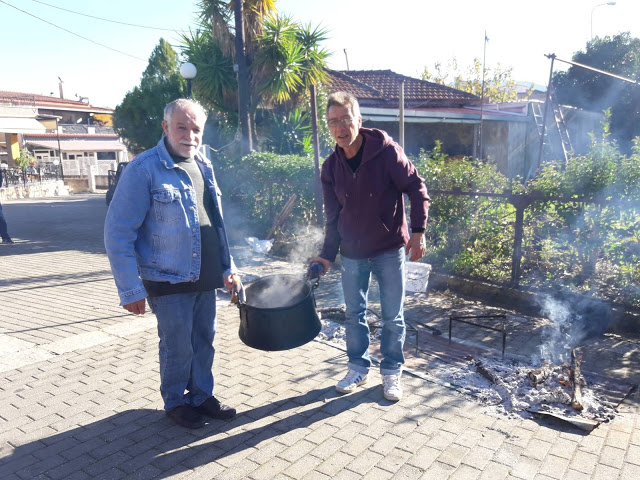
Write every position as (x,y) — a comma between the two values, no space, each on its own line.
(4,233)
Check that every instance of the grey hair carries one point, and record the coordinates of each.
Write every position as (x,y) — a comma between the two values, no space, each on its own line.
(183,104)
(344,99)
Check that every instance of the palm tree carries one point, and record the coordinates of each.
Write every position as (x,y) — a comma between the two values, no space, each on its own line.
(314,62)
(212,48)
(218,14)
(289,60)
(276,69)
(283,57)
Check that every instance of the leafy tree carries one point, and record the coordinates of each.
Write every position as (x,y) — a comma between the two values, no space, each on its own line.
(498,84)
(25,159)
(594,91)
(138,118)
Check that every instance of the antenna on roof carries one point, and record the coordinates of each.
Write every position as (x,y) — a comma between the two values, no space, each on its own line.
(347,58)
(60,87)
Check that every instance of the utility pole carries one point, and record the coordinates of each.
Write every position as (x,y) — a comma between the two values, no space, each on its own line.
(317,184)
(481,133)
(246,145)
(552,56)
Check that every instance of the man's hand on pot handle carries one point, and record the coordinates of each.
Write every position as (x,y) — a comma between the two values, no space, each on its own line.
(136,307)
(234,285)
(417,246)
(322,261)
(230,280)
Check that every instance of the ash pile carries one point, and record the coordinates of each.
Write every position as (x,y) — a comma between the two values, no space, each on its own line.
(512,388)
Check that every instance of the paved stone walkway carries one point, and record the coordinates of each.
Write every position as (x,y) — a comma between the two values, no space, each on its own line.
(79,387)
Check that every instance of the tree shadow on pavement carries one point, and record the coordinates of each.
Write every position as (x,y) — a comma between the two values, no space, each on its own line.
(145,442)
(31,282)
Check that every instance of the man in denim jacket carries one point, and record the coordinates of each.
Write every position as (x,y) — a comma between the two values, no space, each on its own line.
(166,242)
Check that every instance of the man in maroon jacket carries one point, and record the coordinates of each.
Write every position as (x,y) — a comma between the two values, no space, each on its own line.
(363,183)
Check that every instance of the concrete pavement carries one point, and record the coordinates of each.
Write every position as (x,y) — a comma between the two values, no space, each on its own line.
(79,388)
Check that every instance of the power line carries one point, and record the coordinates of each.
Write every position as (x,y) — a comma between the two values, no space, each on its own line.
(105,19)
(72,33)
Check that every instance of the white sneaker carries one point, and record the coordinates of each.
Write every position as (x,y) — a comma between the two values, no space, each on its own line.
(351,381)
(392,387)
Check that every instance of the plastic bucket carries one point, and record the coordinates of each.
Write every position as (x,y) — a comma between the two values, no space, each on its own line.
(417,276)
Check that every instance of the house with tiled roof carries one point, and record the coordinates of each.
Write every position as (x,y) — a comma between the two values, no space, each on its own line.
(507,134)
(433,113)
(57,131)
(68,111)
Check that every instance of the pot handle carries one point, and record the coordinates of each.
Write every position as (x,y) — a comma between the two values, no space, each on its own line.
(313,274)
(238,294)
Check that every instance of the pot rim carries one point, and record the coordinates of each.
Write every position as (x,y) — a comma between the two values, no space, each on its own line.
(274,309)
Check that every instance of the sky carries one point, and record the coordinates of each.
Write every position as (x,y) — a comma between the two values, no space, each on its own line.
(103,60)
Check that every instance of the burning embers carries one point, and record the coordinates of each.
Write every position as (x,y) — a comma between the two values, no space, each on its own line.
(515,389)
(572,379)
(552,384)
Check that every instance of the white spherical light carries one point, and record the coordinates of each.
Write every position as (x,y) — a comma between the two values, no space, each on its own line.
(188,70)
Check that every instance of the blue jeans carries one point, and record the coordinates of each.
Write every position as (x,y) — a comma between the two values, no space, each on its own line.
(3,225)
(388,269)
(186,327)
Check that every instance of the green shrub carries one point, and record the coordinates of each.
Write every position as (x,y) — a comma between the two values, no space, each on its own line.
(586,246)
(468,235)
(258,186)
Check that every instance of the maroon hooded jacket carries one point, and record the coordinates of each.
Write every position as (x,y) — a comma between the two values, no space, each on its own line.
(365,208)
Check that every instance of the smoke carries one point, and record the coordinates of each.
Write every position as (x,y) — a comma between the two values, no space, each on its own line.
(561,335)
(237,225)
(277,291)
(571,321)
(307,244)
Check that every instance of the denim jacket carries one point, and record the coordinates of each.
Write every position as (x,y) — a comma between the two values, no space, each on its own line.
(151,230)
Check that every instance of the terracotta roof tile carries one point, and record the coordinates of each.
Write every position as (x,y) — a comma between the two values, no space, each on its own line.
(341,82)
(381,88)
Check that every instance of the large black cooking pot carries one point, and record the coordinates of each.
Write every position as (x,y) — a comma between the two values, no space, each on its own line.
(279,313)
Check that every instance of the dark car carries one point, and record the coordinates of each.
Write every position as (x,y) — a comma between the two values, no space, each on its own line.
(114,176)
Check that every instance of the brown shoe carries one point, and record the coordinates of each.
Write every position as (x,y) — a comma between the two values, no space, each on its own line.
(187,416)
(214,409)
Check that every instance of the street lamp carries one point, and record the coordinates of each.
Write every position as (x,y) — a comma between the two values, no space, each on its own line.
(188,71)
(599,5)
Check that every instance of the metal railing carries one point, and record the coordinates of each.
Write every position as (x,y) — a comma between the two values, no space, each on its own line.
(520,202)
(29,175)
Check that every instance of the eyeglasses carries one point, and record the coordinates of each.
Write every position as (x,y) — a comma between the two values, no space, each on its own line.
(346,121)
